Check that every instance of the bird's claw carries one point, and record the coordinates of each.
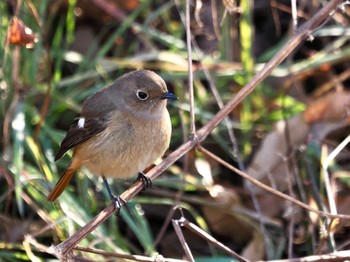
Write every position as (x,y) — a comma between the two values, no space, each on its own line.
(146,181)
(118,203)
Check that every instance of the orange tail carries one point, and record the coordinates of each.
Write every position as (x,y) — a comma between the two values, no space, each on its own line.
(63,182)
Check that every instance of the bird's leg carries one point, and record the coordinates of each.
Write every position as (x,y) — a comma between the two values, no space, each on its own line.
(146,181)
(117,200)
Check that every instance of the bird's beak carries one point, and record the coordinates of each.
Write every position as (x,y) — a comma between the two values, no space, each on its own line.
(168,95)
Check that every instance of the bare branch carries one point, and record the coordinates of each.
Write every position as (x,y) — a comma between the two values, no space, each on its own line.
(270,189)
(198,231)
(190,70)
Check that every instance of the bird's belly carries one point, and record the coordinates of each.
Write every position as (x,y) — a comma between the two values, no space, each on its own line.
(118,166)
(122,155)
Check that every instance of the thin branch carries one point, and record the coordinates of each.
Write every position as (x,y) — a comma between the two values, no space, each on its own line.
(332,257)
(47,99)
(335,152)
(126,256)
(326,179)
(65,247)
(303,33)
(294,13)
(198,231)
(166,223)
(190,70)
(235,149)
(214,90)
(181,237)
(270,189)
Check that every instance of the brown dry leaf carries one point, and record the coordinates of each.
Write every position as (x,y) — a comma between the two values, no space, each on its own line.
(343,203)
(233,225)
(333,107)
(255,250)
(267,209)
(204,169)
(269,164)
(228,225)
(342,194)
(225,222)
(231,6)
(20,34)
(128,5)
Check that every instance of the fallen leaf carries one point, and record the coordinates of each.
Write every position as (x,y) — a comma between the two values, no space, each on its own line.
(20,34)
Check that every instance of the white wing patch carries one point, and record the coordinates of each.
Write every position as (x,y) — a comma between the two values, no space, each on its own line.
(81,122)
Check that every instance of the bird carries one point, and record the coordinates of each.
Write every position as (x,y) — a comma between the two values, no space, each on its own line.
(122,129)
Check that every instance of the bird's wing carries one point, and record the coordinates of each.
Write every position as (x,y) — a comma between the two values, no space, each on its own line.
(94,117)
(80,131)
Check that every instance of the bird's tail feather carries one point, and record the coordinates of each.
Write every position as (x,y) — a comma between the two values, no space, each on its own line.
(61,184)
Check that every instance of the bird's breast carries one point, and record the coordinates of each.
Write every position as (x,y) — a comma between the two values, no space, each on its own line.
(127,146)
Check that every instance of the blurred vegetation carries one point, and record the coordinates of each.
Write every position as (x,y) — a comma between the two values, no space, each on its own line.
(77,48)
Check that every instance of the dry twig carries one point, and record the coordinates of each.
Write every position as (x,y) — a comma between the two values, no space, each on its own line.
(183,222)
(127,256)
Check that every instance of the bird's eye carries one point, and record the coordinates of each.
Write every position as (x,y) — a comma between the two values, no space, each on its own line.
(141,95)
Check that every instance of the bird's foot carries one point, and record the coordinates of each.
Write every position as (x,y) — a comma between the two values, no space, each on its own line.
(146,181)
(117,200)
(118,203)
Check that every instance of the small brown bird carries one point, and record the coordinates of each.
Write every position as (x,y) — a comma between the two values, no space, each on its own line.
(122,129)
